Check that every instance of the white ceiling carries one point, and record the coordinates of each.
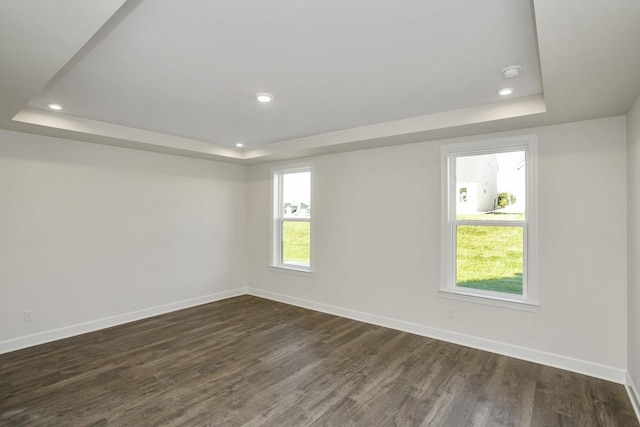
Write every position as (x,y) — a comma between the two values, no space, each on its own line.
(180,77)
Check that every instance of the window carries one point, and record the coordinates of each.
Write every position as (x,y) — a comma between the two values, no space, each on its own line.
(489,222)
(292,218)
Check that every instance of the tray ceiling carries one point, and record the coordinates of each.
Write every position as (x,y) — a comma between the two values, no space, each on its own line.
(183,76)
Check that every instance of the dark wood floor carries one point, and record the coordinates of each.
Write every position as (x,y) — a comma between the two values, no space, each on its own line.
(254,362)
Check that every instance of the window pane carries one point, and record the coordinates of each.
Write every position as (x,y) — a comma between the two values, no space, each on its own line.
(490,258)
(491,186)
(296,195)
(296,238)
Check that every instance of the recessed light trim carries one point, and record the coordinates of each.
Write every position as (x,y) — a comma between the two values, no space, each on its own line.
(239,145)
(264,97)
(505,91)
(55,107)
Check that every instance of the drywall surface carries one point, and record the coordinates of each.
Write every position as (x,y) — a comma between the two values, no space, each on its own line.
(633,301)
(376,217)
(91,232)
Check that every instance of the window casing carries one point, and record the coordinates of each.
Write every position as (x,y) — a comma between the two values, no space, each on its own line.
(489,224)
(292,225)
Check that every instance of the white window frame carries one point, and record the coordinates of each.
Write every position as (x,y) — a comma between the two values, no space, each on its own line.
(277,172)
(528,301)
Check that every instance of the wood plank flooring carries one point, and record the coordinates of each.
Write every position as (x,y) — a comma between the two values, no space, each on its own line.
(248,361)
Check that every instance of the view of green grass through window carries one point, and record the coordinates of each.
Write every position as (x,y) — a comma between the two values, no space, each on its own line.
(295,242)
(490,221)
(295,219)
(489,258)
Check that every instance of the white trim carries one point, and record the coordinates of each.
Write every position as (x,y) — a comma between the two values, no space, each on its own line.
(107,322)
(412,129)
(497,301)
(634,394)
(448,154)
(291,270)
(343,140)
(608,373)
(132,137)
(596,370)
(277,218)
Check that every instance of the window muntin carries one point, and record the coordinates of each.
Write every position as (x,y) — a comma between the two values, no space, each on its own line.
(292,218)
(489,219)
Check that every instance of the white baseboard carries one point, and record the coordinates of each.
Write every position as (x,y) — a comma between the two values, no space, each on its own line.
(608,373)
(563,362)
(634,394)
(94,325)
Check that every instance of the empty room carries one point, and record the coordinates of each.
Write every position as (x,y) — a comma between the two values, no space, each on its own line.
(289,213)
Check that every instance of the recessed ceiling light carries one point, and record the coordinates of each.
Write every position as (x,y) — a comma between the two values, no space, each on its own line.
(239,145)
(511,71)
(505,91)
(264,97)
(55,107)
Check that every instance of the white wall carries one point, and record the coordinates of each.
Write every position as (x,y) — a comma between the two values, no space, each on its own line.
(377,247)
(91,231)
(633,301)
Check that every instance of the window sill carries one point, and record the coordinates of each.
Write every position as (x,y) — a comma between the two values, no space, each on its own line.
(291,270)
(490,300)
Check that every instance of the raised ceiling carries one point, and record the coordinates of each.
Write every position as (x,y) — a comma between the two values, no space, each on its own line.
(180,77)
(192,68)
